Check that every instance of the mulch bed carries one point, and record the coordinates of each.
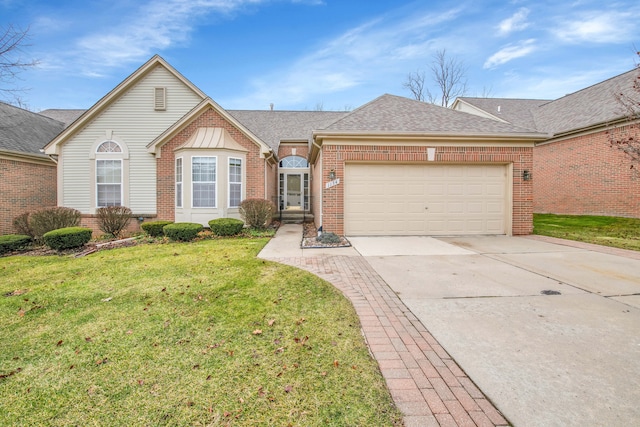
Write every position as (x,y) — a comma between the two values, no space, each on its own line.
(310,238)
(87,249)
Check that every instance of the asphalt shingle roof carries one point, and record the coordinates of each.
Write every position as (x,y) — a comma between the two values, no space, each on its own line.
(275,126)
(515,111)
(390,113)
(593,105)
(24,131)
(65,116)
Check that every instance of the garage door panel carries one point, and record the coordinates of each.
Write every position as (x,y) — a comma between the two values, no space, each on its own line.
(454,208)
(435,189)
(495,208)
(429,199)
(475,207)
(415,207)
(438,207)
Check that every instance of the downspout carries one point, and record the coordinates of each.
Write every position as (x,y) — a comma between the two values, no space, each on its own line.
(319,147)
(266,164)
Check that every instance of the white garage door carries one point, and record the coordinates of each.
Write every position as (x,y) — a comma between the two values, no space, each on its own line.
(425,199)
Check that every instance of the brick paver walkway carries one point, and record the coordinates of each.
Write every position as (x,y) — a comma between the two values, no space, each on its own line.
(425,382)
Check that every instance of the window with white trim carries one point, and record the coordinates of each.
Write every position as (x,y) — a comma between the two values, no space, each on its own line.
(108,183)
(109,147)
(203,181)
(179,182)
(294,162)
(235,182)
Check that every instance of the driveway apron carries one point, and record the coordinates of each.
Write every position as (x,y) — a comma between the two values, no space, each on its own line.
(547,329)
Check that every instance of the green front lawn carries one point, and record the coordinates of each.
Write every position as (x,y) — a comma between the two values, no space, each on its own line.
(195,334)
(602,230)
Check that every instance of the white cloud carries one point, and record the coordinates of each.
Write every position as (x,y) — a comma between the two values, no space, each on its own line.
(350,59)
(150,27)
(517,22)
(510,52)
(599,27)
(154,26)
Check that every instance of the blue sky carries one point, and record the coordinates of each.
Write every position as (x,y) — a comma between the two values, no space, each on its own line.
(337,54)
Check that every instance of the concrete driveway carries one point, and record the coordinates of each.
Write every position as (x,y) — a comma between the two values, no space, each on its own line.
(550,333)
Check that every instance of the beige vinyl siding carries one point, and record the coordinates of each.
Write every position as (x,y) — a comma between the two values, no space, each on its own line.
(135,122)
(75,176)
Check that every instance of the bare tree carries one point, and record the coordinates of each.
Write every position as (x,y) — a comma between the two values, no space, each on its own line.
(626,137)
(12,41)
(415,84)
(448,74)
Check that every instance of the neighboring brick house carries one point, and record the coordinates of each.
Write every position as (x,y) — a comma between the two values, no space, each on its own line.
(575,169)
(27,175)
(157,144)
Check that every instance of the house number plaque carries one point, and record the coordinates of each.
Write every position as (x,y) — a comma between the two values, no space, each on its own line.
(332,183)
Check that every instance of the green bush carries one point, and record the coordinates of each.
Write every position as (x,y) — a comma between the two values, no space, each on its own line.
(67,238)
(13,242)
(226,226)
(154,228)
(21,225)
(113,219)
(49,219)
(182,231)
(257,213)
(328,238)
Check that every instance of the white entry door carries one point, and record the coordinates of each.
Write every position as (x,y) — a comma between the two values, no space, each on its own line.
(294,190)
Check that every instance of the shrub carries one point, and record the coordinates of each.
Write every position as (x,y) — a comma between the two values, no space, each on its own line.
(154,228)
(182,231)
(328,238)
(21,225)
(67,238)
(113,219)
(257,213)
(226,226)
(13,242)
(49,219)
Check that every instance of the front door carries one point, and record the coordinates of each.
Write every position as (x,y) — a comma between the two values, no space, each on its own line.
(294,190)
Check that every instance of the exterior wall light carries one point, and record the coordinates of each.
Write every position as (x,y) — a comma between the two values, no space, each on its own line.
(526,175)
(332,175)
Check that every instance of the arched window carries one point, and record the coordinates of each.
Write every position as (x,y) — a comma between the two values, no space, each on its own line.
(108,175)
(109,147)
(294,162)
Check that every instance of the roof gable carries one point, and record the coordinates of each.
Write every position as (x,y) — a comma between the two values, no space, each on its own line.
(114,95)
(155,145)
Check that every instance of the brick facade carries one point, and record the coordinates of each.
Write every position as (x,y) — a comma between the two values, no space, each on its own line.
(286,150)
(255,167)
(24,187)
(584,175)
(91,221)
(335,157)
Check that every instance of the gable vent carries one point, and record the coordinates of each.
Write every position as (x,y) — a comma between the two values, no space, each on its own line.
(160,98)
